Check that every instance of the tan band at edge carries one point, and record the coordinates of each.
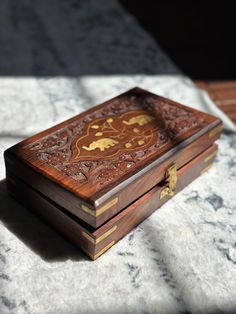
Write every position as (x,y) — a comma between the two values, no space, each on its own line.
(102,237)
(207,168)
(216,130)
(211,156)
(104,250)
(100,210)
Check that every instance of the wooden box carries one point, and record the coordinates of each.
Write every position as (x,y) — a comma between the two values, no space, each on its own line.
(97,175)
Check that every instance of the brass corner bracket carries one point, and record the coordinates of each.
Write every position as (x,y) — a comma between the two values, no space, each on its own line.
(171,178)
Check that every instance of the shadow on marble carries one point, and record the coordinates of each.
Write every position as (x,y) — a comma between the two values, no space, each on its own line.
(158,310)
(34,232)
(73,38)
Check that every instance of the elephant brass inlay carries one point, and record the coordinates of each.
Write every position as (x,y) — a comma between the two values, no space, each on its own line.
(102,144)
(107,137)
(141,125)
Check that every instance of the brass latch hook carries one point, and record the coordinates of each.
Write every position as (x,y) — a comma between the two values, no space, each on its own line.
(171,178)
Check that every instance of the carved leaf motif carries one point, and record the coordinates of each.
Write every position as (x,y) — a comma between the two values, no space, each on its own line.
(114,131)
(128,121)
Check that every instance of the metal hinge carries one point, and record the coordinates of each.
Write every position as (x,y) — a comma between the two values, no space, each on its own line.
(171,178)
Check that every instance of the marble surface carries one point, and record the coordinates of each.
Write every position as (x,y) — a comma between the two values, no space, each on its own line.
(58,58)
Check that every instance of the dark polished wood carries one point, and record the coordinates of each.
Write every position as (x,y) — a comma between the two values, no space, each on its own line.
(223,94)
(100,161)
(95,241)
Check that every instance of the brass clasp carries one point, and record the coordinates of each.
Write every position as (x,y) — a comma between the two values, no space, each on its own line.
(171,178)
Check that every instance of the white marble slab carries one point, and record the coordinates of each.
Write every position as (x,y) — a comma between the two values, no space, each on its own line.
(58,58)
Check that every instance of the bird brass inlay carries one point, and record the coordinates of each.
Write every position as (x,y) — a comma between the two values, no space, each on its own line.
(140,120)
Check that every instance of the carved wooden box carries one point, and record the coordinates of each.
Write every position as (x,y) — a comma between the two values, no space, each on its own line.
(97,175)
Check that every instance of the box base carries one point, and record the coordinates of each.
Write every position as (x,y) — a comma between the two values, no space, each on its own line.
(95,241)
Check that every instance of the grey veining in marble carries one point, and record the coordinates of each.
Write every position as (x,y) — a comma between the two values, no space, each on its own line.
(58,58)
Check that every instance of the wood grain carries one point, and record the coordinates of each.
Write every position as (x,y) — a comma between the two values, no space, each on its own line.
(223,94)
(95,241)
(159,131)
(135,189)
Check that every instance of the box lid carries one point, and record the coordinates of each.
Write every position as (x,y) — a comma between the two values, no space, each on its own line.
(98,162)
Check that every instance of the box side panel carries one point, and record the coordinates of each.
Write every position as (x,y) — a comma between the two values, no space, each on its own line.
(116,198)
(49,188)
(147,204)
(68,227)
(126,194)
(96,243)
(91,154)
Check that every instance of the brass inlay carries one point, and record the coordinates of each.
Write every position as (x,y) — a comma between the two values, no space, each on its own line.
(207,168)
(127,145)
(211,156)
(107,137)
(104,250)
(215,131)
(107,206)
(88,210)
(106,234)
(102,237)
(171,178)
(99,134)
(87,236)
(100,210)
(140,120)
(102,144)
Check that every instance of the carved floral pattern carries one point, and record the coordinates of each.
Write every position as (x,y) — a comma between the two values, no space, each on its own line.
(107,137)
(62,149)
